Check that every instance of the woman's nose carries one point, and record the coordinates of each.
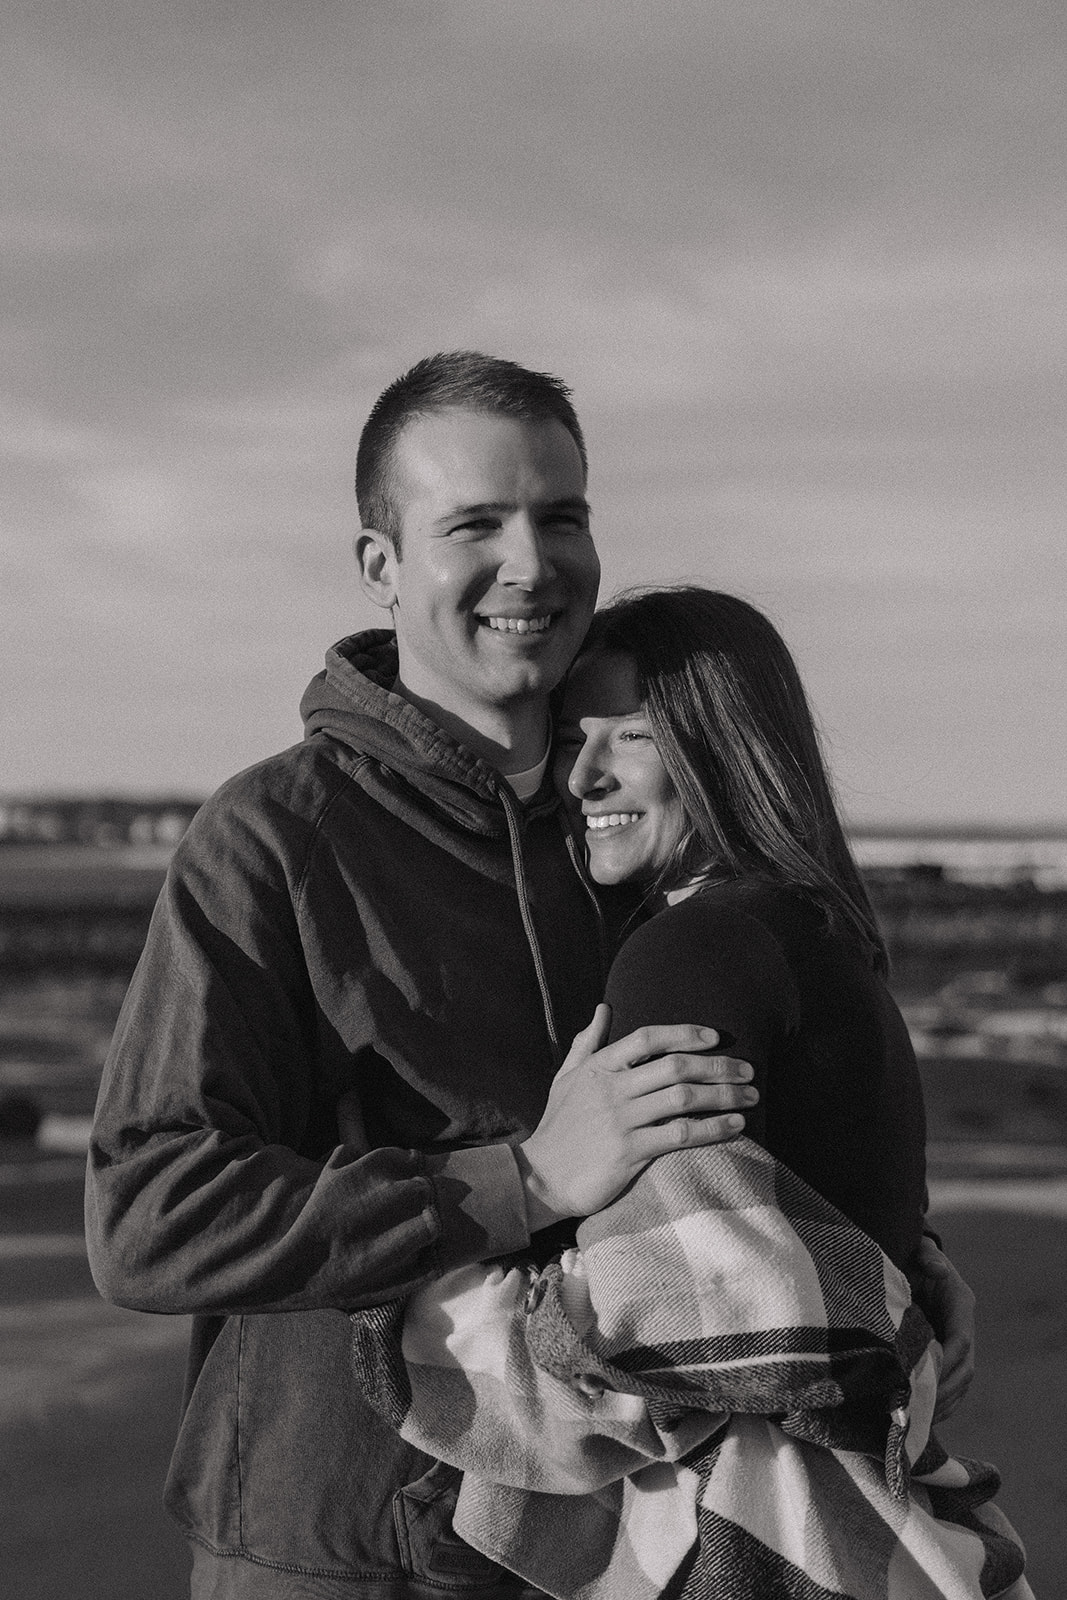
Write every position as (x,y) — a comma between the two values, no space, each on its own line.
(588,774)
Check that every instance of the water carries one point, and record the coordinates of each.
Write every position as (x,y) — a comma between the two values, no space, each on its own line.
(975,858)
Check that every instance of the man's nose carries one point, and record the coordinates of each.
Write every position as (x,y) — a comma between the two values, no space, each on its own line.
(525,561)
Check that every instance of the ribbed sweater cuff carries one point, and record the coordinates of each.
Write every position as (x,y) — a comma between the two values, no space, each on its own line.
(480,1203)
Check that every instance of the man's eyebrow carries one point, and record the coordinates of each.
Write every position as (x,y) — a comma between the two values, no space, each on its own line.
(568,502)
(573,502)
(483,508)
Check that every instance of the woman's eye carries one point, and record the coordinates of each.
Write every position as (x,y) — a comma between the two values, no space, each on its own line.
(629,734)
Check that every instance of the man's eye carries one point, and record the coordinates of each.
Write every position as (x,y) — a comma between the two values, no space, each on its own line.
(474,528)
(634,733)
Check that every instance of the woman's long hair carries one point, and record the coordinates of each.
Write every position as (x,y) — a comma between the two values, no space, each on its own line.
(733,728)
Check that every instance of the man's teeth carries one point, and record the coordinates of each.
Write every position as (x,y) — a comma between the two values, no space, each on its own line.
(614,819)
(519,624)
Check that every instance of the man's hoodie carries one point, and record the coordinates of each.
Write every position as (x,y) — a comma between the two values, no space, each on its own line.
(370,911)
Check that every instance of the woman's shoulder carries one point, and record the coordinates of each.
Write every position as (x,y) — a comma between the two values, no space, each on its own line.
(750,920)
(800,926)
(708,957)
(780,909)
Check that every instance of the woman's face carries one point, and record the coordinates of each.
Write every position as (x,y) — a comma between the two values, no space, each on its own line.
(607,760)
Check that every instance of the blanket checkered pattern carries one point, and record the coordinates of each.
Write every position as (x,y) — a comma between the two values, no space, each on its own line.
(724,1393)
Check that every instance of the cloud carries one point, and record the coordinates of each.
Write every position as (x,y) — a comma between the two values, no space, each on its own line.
(802,263)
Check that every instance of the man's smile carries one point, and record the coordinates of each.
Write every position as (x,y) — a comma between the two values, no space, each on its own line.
(503,624)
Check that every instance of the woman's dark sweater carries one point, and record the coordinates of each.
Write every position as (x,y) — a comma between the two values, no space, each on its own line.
(840,1098)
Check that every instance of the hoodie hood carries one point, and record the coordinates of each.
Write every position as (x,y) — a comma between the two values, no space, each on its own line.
(352,701)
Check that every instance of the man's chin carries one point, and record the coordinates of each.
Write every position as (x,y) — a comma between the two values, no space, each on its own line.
(537,675)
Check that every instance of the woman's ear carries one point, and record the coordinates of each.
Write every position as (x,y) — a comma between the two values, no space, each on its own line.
(376,563)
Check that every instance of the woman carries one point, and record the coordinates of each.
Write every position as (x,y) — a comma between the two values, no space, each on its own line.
(725,1388)
(687,740)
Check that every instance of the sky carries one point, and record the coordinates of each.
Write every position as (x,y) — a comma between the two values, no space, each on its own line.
(803,264)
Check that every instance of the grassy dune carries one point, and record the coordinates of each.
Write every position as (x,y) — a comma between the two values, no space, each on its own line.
(73,920)
(72,877)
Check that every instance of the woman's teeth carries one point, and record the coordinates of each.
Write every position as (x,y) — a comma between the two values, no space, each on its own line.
(614,819)
(519,624)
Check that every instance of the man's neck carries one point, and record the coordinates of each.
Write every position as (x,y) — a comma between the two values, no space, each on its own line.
(509,740)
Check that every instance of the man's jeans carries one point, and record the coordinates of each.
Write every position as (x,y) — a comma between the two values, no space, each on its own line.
(231,1578)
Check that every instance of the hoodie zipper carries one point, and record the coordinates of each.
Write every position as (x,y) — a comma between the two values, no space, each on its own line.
(511,812)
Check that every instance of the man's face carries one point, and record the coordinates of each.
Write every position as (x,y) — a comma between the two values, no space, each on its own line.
(497,577)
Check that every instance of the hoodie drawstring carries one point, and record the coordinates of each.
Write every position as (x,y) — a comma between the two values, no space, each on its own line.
(511,813)
(577,860)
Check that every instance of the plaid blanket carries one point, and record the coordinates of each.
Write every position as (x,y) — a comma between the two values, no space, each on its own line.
(724,1393)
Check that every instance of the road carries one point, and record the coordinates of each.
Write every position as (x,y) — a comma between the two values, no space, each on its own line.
(89,1395)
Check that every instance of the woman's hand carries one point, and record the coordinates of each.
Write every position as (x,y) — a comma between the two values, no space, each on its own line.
(948,1304)
(351,1129)
(613,1108)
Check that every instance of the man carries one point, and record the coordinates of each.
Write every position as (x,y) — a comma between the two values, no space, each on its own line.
(390,914)
(390,911)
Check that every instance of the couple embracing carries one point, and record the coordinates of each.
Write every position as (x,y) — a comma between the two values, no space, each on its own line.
(476,1313)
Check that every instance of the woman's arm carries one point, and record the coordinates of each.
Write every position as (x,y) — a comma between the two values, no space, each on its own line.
(717,1285)
(719,962)
(719,966)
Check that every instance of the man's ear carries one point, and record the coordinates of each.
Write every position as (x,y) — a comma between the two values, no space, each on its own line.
(376,565)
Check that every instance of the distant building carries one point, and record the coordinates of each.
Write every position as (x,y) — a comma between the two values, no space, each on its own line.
(103,821)
(1000,859)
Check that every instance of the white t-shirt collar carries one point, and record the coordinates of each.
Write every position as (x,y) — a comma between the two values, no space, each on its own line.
(526,784)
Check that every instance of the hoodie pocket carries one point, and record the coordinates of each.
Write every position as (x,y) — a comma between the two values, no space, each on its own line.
(429,1548)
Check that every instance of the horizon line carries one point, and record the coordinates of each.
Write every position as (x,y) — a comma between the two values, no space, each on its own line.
(929,828)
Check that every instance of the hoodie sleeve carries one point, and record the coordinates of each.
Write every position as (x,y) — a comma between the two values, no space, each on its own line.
(197,1198)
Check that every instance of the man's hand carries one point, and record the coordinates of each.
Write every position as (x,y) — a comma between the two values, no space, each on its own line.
(612,1109)
(948,1304)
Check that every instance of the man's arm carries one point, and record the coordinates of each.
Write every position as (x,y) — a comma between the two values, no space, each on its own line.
(198,1197)
(206,1189)
(948,1303)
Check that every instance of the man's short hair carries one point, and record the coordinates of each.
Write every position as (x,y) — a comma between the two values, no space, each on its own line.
(453,379)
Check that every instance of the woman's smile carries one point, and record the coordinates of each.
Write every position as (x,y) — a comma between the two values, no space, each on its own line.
(613,819)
